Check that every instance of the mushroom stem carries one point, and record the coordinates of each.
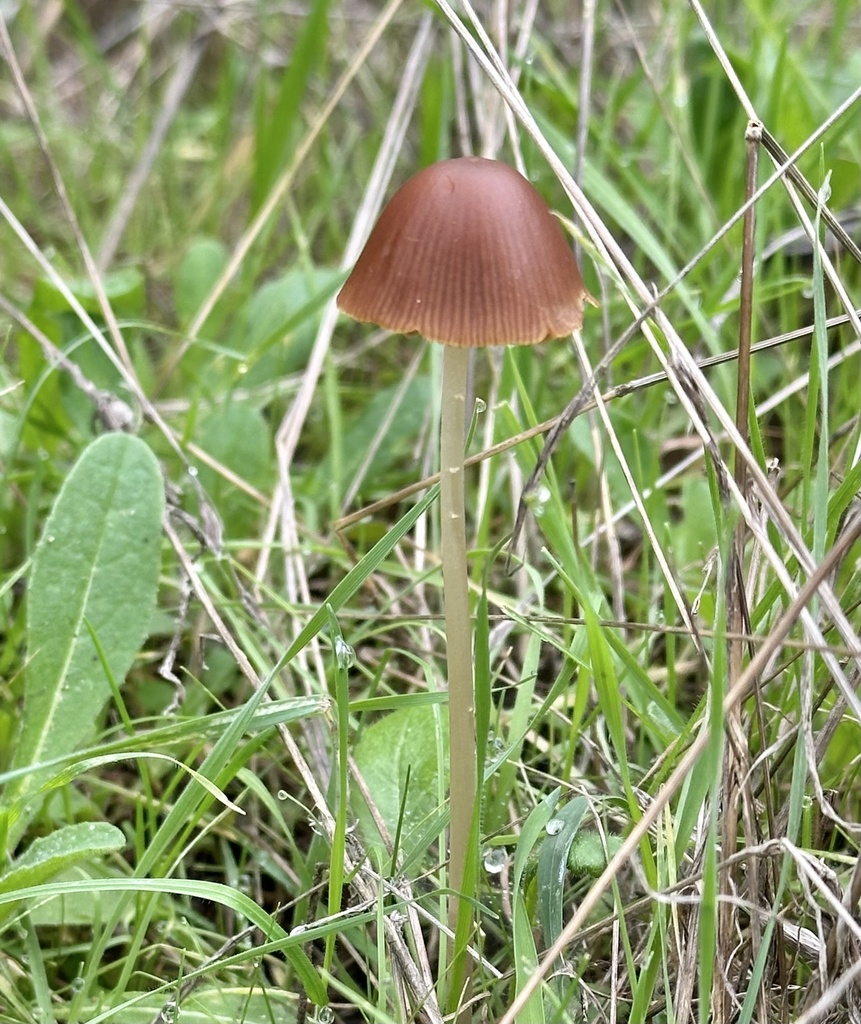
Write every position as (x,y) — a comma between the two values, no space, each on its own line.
(463,763)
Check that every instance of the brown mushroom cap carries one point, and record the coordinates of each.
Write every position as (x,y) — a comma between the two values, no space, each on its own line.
(467,253)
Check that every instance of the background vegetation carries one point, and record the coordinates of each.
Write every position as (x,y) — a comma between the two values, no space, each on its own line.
(222,741)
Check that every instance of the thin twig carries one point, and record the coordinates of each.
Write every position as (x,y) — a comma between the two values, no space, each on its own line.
(735,784)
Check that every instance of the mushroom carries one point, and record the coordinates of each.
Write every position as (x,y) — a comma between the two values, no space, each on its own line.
(466,253)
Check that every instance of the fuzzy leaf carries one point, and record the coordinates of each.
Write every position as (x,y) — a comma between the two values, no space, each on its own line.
(95,568)
(201,266)
(47,856)
(403,741)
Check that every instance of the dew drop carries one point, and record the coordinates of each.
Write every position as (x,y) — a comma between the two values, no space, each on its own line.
(554,826)
(825,190)
(168,1013)
(494,860)
(537,501)
(344,653)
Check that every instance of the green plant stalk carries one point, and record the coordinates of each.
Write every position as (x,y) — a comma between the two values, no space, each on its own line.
(339,837)
(463,762)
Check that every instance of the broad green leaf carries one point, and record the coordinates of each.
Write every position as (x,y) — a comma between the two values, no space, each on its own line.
(236,436)
(403,741)
(76,909)
(95,568)
(199,269)
(48,855)
(216,1004)
(276,328)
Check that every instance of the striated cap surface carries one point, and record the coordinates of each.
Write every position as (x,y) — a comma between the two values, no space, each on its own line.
(467,253)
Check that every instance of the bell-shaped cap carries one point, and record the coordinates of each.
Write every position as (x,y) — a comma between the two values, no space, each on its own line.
(467,253)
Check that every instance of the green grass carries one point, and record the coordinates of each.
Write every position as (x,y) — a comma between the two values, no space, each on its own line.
(243,818)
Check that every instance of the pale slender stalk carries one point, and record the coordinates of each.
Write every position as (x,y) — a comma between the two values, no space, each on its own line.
(458,631)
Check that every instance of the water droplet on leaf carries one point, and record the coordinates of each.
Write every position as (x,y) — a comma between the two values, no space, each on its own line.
(494,860)
(169,1013)
(344,653)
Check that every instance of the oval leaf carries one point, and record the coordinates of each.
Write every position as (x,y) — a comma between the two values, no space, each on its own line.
(49,855)
(403,742)
(95,569)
